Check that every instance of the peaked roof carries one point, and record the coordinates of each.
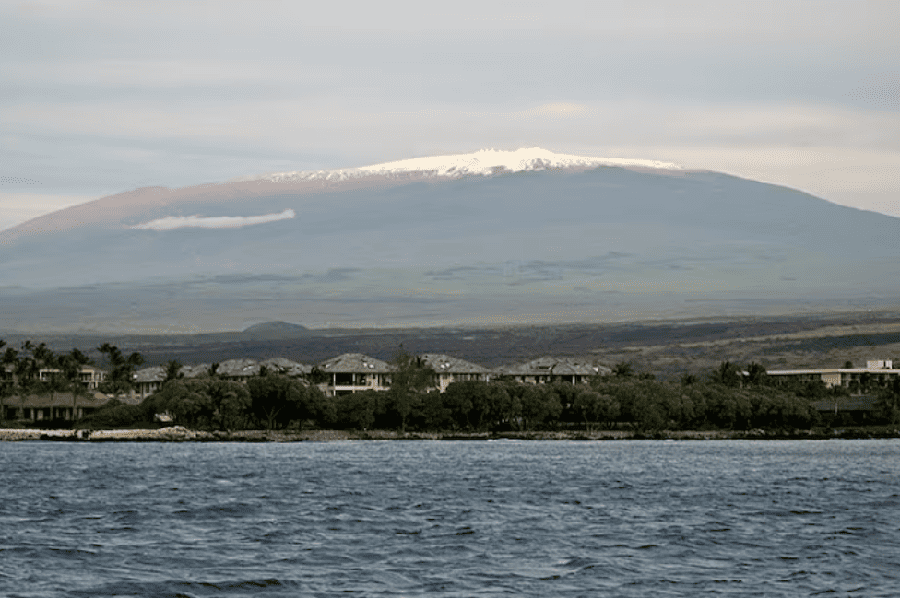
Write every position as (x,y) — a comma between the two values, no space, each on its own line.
(453,365)
(281,365)
(349,363)
(153,374)
(58,399)
(238,367)
(555,366)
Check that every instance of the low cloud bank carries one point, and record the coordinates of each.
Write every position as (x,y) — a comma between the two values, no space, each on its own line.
(172,222)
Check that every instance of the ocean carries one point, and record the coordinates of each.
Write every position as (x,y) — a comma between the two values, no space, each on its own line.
(450,518)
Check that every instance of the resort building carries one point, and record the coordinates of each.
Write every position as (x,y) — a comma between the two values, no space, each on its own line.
(237,370)
(355,372)
(89,376)
(876,373)
(60,406)
(286,367)
(552,369)
(149,380)
(452,369)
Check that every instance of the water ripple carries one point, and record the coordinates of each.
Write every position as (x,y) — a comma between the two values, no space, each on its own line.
(451,518)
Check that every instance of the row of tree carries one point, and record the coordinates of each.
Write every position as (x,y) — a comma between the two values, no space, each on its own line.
(275,402)
(726,397)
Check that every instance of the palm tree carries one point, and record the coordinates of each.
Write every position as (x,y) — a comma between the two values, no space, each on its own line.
(9,362)
(72,363)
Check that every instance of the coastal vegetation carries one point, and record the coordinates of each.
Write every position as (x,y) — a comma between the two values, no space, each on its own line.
(726,398)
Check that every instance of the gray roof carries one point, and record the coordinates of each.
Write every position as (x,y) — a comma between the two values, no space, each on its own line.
(349,363)
(453,365)
(554,366)
(281,365)
(194,371)
(154,374)
(158,373)
(238,368)
(59,399)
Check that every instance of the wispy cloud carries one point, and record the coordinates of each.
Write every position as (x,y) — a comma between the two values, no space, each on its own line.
(173,222)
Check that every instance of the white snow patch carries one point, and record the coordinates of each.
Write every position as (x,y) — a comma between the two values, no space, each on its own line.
(172,222)
(480,163)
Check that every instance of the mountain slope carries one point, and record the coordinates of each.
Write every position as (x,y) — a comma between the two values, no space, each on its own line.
(546,243)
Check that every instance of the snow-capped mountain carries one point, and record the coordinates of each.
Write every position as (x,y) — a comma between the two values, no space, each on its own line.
(481,163)
(489,237)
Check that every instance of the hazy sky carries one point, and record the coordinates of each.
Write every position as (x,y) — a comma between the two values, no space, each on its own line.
(101,97)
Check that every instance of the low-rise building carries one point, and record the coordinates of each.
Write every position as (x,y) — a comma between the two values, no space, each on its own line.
(876,373)
(286,367)
(355,372)
(60,406)
(449,369)
(90,376)
(238,370)
(552,369)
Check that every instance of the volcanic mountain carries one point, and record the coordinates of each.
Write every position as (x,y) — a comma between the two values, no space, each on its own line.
(485,238)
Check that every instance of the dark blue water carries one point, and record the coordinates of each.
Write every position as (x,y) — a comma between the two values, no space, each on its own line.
(792,518)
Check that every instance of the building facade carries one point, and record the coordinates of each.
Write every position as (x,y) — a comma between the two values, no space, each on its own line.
(355,372)
(449,369)
(876,373)
(552,369)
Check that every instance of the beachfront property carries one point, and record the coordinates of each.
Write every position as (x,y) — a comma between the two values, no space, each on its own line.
(60,406)
(89,376)
(449,369)
(354,372)
(552,369)
(149,380)
(876,373)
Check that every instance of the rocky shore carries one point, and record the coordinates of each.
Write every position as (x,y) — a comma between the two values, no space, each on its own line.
(180,434)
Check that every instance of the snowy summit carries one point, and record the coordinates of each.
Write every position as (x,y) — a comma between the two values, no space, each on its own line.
(482,162)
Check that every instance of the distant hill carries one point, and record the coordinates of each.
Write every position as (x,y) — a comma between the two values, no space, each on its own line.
(573,243)
(273,331)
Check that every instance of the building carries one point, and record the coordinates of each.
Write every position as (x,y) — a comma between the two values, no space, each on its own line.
(452,369)
(876,373)
(60,406)
(149,380)
(237,370)
(355,372)
(89,376)
(286,367)
(552,369)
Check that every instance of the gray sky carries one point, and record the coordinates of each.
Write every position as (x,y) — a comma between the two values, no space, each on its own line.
(102,97)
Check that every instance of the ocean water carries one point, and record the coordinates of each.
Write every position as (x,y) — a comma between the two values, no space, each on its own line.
(640,518)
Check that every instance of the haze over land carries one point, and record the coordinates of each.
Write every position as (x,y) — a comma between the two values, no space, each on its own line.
(386,207)
(490,238)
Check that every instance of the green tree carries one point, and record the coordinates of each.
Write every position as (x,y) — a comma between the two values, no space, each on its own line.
(317,376)
(728,374)
(623,370)
(756,374)
(409,379)
(541,405)
(173,370)
(5,385)
(887,407)
(121,375)
(277,400)
(71,364)
(355,411)
(688,379)
(595,408)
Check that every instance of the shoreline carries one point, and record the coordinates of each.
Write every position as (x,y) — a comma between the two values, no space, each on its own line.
(180,434)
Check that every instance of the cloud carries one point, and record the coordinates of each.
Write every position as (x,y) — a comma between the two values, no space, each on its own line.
(173,222)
